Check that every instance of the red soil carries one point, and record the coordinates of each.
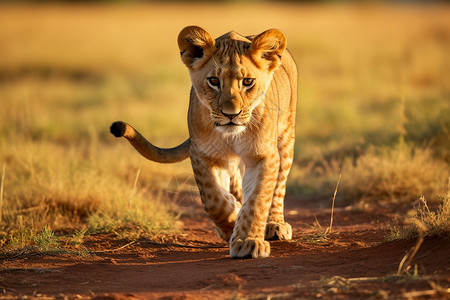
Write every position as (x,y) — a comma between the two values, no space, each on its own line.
(354,261)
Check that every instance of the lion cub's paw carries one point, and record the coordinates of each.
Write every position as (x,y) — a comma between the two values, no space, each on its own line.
(278,231)
(249,248)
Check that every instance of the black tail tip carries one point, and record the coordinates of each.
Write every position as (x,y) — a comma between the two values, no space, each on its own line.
(118,129)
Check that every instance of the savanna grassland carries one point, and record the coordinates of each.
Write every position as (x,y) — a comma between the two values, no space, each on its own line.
(374,106)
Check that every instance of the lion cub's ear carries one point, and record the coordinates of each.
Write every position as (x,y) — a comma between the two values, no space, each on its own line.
(268,47)
(196,46)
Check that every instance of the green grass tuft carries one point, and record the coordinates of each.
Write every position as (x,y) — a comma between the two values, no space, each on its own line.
(22,237)
(46,241)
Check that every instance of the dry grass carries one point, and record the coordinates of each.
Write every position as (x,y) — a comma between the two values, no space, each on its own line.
(369,76)
(74,189)
(394,175)
(428,222)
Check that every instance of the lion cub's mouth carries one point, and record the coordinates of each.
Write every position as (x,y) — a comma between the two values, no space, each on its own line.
(230,128)
(228,124)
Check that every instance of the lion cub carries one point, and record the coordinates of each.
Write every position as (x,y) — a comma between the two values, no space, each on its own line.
(241,122)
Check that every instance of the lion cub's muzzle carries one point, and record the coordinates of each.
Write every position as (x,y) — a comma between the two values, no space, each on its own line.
(231,116)
(230,120)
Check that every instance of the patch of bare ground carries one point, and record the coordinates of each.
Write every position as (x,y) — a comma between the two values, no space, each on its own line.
(353,261)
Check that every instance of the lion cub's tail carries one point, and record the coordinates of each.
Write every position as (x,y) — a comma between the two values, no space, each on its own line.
(146,149)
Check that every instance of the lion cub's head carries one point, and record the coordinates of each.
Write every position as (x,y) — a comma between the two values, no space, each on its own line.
(231,74)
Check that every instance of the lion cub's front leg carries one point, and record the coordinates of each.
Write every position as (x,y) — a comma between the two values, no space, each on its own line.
(218,202)
(277,228)
(248,235)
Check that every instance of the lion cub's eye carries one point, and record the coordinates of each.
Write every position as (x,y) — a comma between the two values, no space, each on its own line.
(214,81)
(248,82)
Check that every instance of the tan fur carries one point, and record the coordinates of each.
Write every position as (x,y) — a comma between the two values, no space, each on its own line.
(242,128)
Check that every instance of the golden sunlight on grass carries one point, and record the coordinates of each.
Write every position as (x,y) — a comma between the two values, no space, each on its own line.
(372,77)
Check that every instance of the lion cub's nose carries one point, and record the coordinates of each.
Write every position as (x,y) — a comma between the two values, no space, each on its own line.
(230,116)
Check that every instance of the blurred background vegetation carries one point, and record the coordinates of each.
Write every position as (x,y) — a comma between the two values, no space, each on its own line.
(374,105)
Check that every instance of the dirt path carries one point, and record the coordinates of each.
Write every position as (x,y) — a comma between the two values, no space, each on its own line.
(351,263)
